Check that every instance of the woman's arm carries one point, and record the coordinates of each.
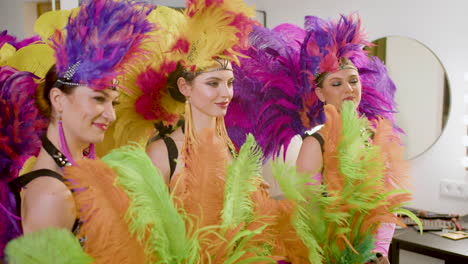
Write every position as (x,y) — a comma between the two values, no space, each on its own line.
(309,160)
(47,202)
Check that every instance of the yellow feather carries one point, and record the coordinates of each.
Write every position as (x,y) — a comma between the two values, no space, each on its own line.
(130,126)
(6,51)
(210,33)
(34,58)
(28,165)
(47,23)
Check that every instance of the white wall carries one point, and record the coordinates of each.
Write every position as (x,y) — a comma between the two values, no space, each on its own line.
(18,16)
(441,26)
(10,14)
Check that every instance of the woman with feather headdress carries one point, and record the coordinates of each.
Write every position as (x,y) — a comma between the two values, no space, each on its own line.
(215,211)
(60,117)
(292,73)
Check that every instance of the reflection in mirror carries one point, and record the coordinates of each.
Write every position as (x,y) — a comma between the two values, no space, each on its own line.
(423,94)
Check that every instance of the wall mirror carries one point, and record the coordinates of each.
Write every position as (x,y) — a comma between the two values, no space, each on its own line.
(423,91)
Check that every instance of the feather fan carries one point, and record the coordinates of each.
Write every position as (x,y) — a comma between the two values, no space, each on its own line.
(101,208)
(152,216)
(340,227)
(21,127)
(47,246)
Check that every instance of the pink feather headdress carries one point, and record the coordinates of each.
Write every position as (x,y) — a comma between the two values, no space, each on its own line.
(279,75)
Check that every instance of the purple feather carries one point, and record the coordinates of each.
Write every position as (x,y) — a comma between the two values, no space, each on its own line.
(104,35)
(268,77)
(378,92)
(325,43)
(274,96)
(21,127)
(328,41)
(5,38)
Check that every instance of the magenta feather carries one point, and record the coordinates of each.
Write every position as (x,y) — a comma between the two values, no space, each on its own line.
(6,38)
(279,76)
(269,77)
(153,84)
(21,127)
(325,43)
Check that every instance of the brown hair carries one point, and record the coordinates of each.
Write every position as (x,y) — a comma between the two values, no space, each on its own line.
(172,86)
(43,91)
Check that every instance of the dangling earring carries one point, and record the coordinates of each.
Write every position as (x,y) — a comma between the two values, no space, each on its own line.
(222,133)
(189,137)
(63,142)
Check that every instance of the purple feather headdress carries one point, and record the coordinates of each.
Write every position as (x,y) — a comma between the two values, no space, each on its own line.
(99,40)
(324,46)
(274,96)
(21,127)
(5,38)
(266,89)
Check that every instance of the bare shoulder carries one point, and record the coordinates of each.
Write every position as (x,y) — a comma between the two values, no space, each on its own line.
(310,143)
(47,202)
(309,159)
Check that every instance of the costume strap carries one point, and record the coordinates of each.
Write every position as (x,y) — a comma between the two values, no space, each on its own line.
(172,153)
(59,158)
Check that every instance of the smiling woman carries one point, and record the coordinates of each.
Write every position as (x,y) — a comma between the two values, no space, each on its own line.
(76,99)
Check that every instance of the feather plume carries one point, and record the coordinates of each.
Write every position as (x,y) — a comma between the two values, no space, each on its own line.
(146,99)
(21,127)
(206,168)
(280,71)
(25,55)
(101,207)
(35,58)
(47,246)
(326,42)
(152,215)
(6,51)
(149,105)
(50,22)
(102,38)
(340,227)
(242,179)
(378,92)
(5,38)
(247,206)
(364,193)
(9,46)
(270,77)
(214,29)
(229,232)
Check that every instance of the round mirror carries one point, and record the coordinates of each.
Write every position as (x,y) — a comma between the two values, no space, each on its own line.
(423,93)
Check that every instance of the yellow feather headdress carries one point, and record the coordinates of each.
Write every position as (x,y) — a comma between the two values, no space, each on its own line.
(186,41)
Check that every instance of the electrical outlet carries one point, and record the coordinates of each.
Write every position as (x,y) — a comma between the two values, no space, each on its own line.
(458,189)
